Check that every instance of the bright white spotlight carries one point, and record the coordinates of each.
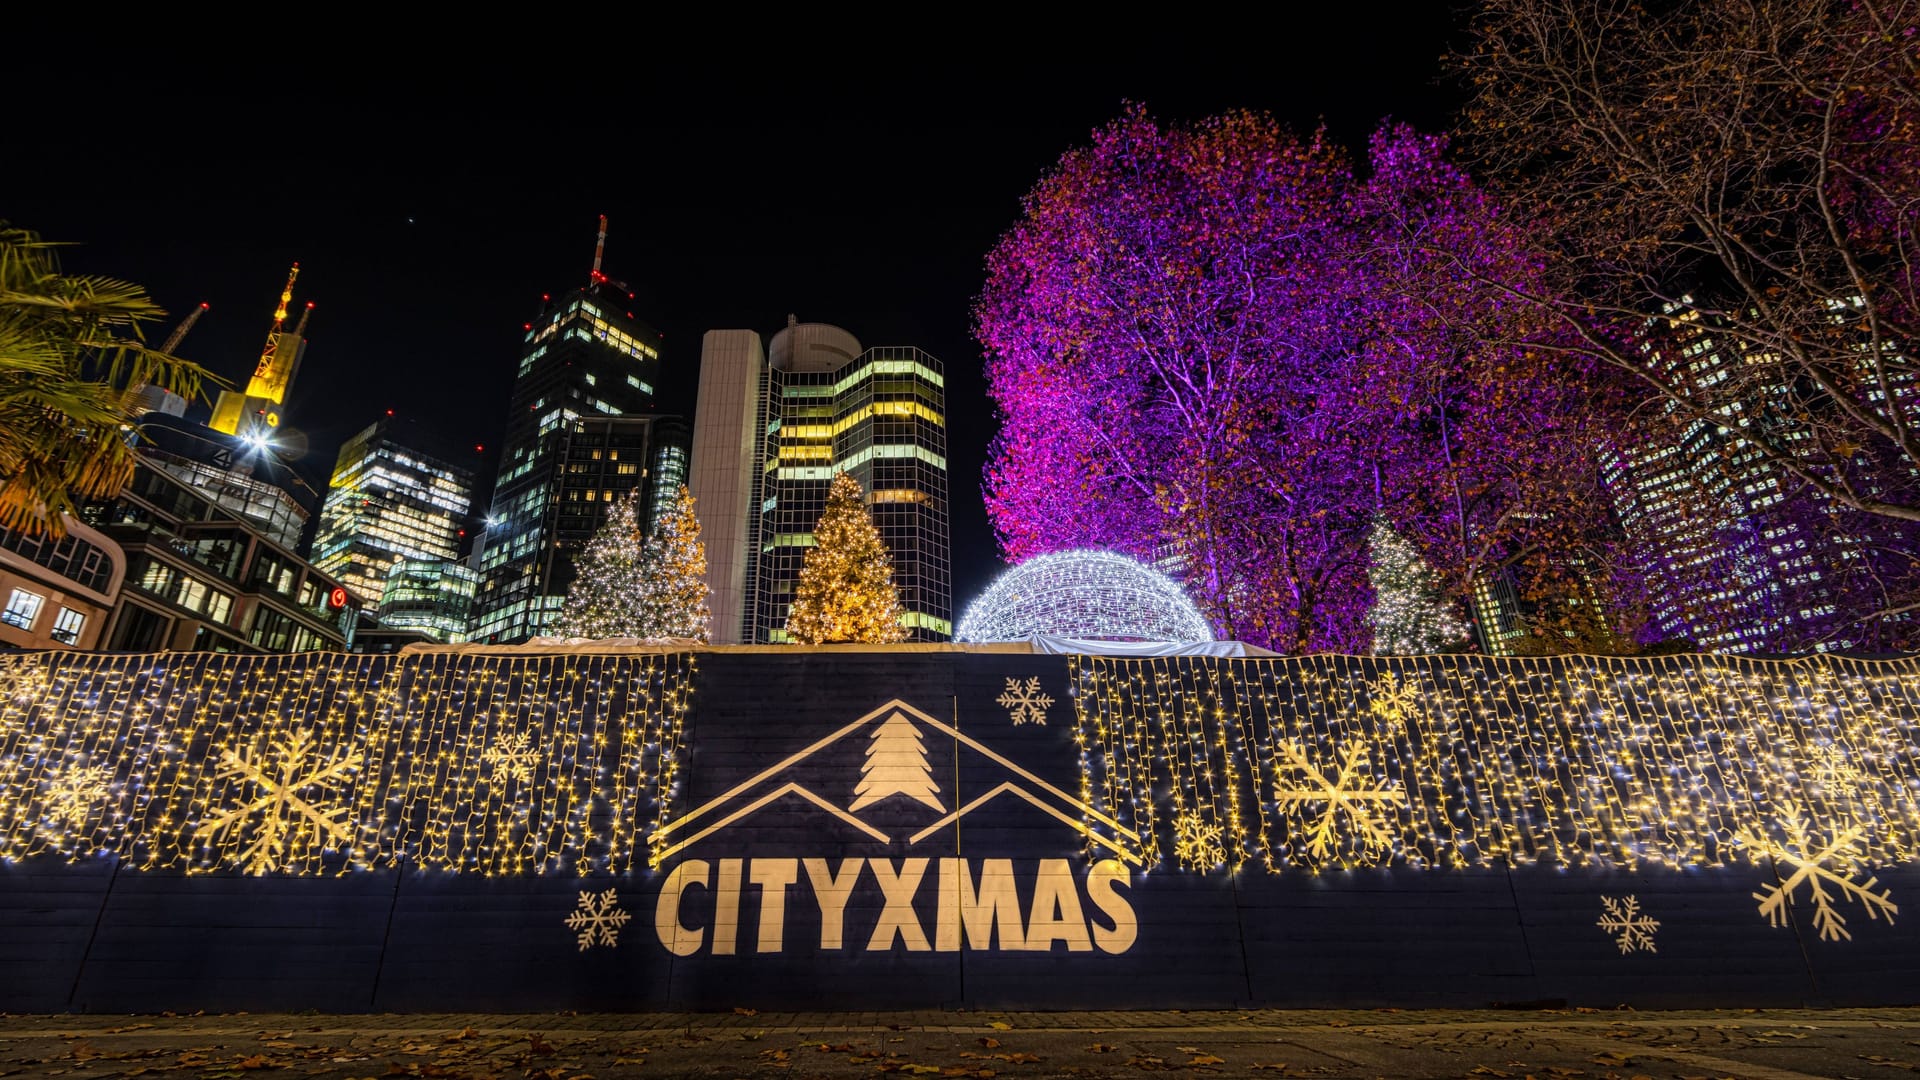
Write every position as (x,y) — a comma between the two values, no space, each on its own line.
(1083,594)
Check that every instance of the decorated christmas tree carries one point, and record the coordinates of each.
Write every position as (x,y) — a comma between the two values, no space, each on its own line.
(609,597)
(1410,614)
(896,765)
(674,575)
(845,592)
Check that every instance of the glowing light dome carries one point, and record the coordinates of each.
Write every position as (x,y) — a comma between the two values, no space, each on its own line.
(1083,594)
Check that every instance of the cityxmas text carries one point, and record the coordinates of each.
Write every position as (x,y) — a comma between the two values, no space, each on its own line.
(701,902)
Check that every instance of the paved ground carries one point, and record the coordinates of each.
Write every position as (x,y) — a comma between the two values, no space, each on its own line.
(1548,1045)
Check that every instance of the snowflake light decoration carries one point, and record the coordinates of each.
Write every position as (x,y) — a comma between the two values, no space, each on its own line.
(1025,703)
(1357,797)
(287,818)
(1083,594)
(1627,924)
(1196,844)
(597,919)
(513,756)
(1811,868)
(73,794)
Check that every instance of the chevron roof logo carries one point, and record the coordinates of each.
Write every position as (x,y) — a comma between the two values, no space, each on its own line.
(896,802)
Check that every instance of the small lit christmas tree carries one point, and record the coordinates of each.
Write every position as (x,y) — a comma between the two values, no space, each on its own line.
(609,597)
(674,575)
(1410,615)
(845,592)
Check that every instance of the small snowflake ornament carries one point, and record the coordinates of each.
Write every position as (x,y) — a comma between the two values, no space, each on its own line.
(1630,928)
(597,919)
(1025,703)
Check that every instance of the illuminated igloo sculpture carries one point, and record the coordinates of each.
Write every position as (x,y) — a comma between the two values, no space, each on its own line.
(1083,594)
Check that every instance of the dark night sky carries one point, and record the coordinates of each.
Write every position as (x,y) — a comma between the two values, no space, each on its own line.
(429,210)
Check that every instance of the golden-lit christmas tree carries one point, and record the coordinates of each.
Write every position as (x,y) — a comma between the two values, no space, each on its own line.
(845,592)
(674,575)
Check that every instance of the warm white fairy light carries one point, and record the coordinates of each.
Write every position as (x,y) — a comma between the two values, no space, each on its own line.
(327,762)
(1459,761)
(1083,594)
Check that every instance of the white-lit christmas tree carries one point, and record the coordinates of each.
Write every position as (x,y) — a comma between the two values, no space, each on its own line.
(674,575)
(609,597)
(1410,614)
(845,592)
(896,765)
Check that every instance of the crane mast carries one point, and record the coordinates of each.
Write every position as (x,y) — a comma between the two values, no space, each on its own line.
(180,332)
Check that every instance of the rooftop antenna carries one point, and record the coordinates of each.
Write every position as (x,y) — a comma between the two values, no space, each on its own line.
(599,249)
(180,332)
(300,328)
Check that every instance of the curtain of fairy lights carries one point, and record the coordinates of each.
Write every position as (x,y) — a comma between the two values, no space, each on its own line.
(324,762)
(1328,762)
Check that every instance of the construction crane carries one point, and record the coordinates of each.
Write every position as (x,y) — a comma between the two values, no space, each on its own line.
(599,249)
(180,332)
(264,368)
(300,328)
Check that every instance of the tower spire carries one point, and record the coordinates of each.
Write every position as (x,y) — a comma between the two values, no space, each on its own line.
(599,249)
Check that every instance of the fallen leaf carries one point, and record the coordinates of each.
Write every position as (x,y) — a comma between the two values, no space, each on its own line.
(1101,1048)
(462,1034)
(745,1012)
(989,1043)
(1482,1070)
(1209,1059)
(1001,1025)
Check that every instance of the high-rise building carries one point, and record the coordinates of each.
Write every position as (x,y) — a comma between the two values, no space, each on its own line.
(585,356)
(600,460)
(772,429)
(389,501)
(433,598)
(1731,571)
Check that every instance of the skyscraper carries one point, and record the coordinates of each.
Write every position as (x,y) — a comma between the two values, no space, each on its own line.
(389,501)
(1731,570)
(585,356)
(774,426)
(431,597)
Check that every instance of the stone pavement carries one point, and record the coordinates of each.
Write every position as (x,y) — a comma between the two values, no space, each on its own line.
(1581,1044)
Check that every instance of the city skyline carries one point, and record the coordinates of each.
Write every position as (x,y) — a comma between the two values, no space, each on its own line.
(423,272)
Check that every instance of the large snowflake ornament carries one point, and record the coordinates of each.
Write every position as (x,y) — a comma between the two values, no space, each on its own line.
(1349,794)
(514,755)
(74,793)
(597,919)
(1026,704)
(289,786)
(1627,924)
(1197,844)
(1827,872)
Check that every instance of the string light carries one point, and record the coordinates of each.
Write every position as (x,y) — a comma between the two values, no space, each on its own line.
(1332,762)
(325,762)
(1083,594)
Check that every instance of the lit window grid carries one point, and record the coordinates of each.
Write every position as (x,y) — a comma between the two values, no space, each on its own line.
(1577,761)
(880,418)
(417,789)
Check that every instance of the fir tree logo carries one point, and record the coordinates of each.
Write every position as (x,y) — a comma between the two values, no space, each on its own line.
(896,765)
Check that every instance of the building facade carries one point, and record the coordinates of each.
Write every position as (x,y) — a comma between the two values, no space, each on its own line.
(586,357)
(820,405)
(59,592)
(1731,569)
(202,578)
(433,598)
(389,502)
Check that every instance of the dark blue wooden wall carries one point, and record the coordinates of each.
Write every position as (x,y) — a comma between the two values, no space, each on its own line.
(94,935)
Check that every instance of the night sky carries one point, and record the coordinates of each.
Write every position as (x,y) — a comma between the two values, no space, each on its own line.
(430,209)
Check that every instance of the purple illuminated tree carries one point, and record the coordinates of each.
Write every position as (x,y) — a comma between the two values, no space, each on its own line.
(1216,348)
